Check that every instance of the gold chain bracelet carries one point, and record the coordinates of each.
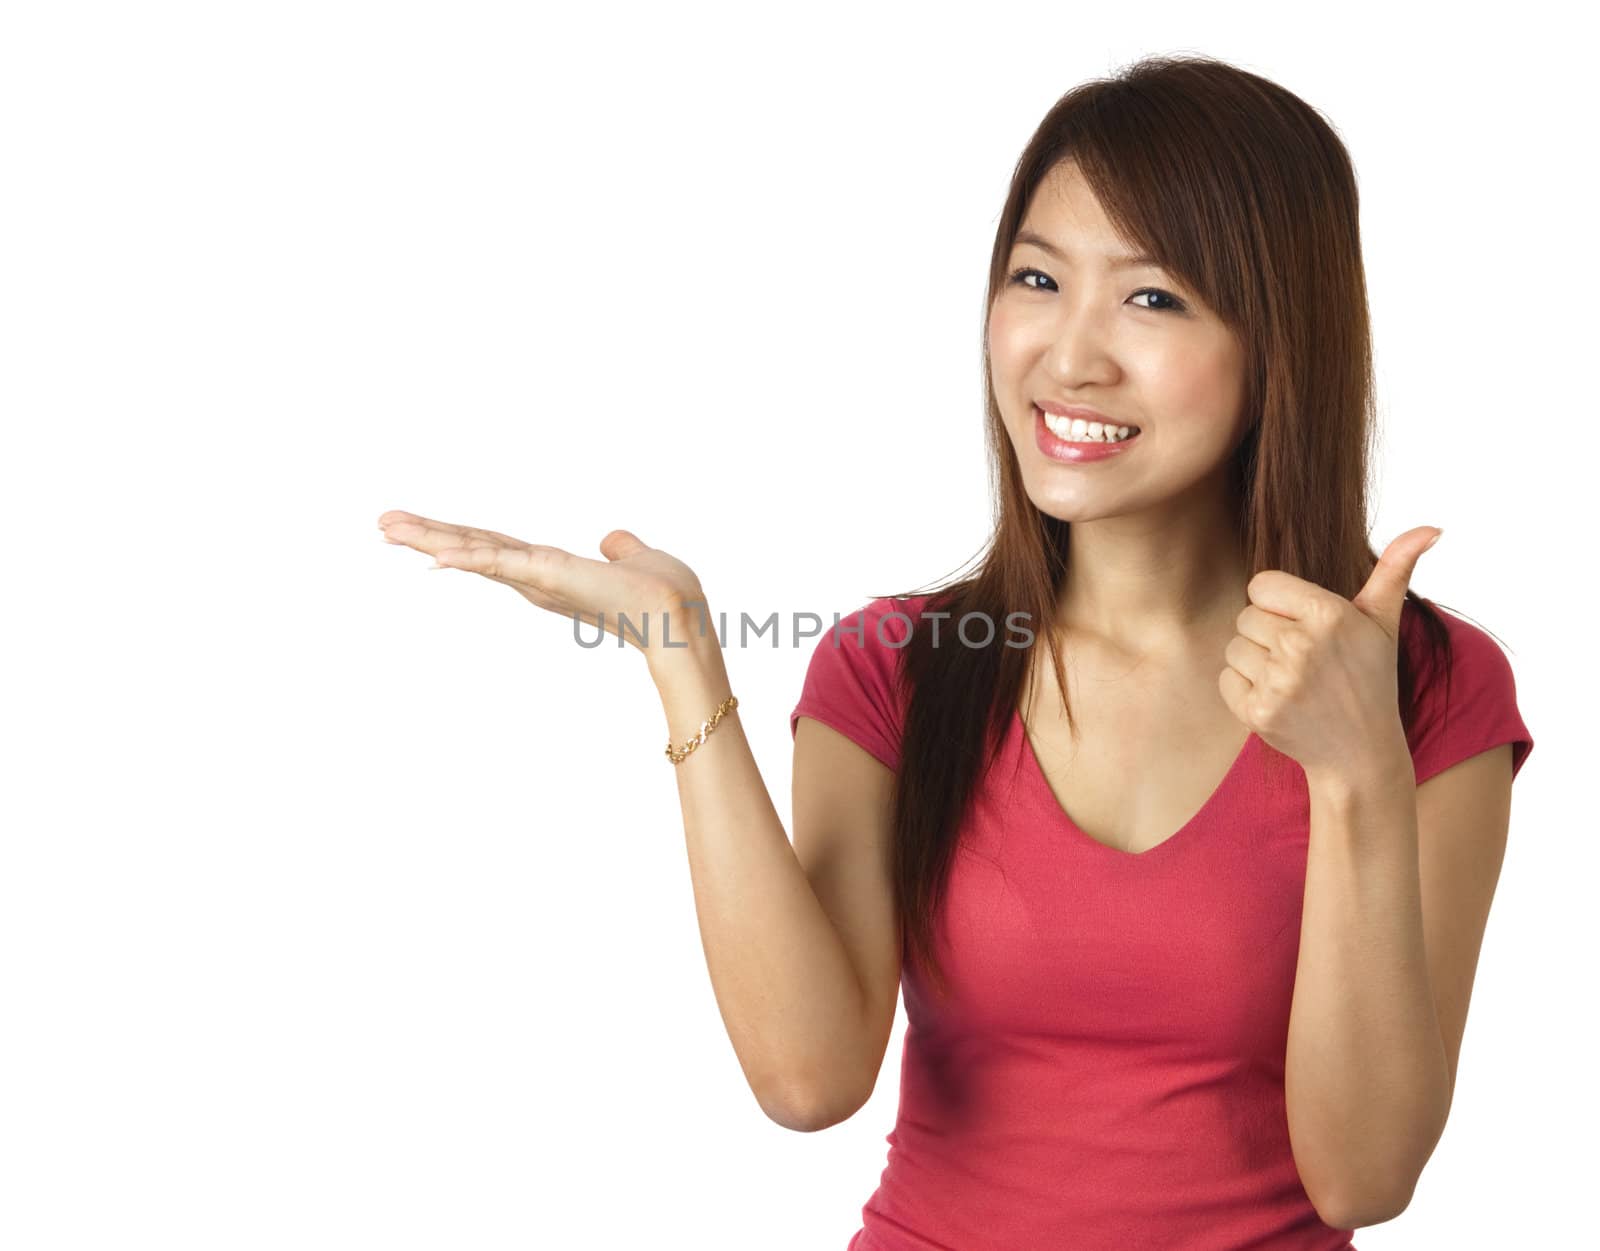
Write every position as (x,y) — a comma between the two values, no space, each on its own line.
(682,753)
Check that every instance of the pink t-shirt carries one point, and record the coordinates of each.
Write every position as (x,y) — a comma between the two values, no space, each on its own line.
(1108,1072)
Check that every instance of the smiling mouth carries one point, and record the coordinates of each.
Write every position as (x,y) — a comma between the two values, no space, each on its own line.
(1084,430)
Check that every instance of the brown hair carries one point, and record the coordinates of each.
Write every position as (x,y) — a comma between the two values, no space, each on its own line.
(1245,192)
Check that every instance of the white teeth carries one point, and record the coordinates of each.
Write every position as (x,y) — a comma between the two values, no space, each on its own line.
(1077,430)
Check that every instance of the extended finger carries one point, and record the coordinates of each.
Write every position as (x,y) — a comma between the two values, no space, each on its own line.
(397,517)
(428,528)
(481,559)
(548,571)
(428,535)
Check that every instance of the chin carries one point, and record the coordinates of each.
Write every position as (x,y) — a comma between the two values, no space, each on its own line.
(1069,510)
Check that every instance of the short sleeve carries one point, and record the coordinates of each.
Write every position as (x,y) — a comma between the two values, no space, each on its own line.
(851,683)
(1482,708)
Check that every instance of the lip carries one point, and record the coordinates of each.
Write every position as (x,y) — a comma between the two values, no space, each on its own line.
(1075,453)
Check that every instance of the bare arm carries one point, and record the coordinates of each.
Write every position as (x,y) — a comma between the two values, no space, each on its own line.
(800,941)
(786,981)
(1398,887)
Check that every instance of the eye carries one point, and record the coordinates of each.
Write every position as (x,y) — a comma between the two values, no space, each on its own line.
(1019,277)
(1174,305)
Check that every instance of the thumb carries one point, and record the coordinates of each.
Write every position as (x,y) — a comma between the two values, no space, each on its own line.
(1384,595)
(620,544)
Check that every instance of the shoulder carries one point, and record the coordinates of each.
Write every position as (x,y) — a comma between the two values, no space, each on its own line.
(878,628)
(1475,655)
(1466,707)
(852,682)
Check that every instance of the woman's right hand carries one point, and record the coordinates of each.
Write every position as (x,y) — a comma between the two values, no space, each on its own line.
(645,584)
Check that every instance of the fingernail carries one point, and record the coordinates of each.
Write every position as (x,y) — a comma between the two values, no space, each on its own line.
(1433,540)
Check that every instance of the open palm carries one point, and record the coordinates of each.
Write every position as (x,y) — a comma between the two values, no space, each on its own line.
(640,581)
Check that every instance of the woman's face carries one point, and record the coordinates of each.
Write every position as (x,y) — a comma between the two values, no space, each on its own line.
(1075,327)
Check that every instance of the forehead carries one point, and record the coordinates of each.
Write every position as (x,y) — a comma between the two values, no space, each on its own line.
(1068,223)
(1064,211)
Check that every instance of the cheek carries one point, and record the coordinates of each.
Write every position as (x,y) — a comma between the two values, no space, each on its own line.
(1201,382)
(1002,335)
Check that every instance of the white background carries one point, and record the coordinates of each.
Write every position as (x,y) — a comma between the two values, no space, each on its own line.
(345,904)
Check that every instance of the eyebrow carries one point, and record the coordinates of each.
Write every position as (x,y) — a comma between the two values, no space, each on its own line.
(1116,262)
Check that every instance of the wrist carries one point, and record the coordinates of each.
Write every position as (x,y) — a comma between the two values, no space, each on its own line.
(686,654)
(1379,770)
(692,683)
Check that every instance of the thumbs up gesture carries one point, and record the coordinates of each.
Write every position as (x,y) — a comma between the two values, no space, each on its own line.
(1314,674)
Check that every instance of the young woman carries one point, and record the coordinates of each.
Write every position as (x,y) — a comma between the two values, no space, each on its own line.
(1178,822)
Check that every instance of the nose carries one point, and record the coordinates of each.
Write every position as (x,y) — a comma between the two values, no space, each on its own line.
(1080,353)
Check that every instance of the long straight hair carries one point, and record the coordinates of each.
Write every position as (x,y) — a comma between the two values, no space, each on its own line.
(1245,192)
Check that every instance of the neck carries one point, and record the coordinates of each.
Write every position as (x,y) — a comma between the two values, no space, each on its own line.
(1160,588)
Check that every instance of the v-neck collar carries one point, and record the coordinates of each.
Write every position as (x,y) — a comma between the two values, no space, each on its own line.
(1048,798)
